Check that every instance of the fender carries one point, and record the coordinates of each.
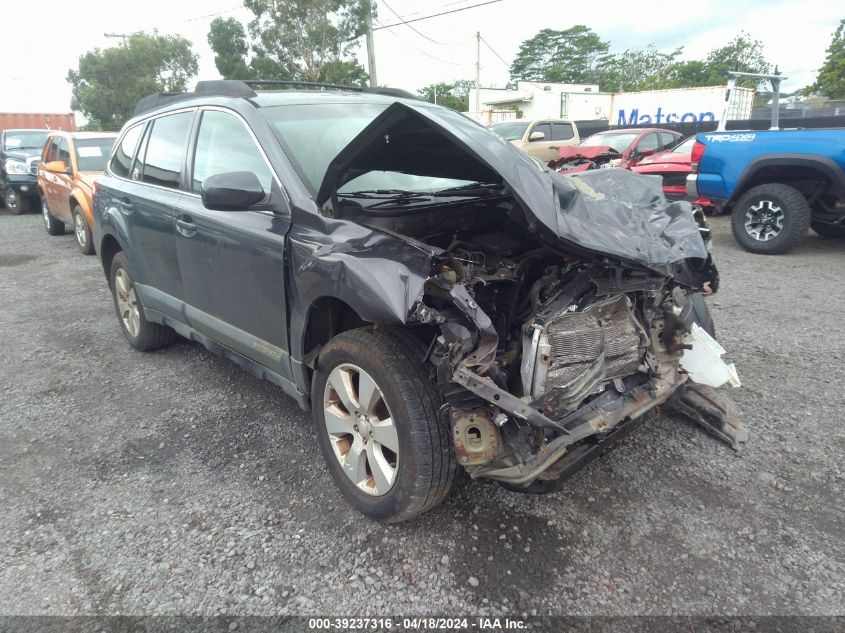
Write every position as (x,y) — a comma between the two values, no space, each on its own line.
(811,161)
(83,199)
(110,222)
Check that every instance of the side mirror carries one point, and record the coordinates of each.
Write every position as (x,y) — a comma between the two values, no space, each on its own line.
(536,136)
(232,191)
(56,167)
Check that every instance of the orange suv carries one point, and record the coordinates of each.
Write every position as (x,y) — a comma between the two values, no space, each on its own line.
(71,163)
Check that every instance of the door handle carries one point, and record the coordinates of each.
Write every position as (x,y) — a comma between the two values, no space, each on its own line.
(125,205)
(185,227)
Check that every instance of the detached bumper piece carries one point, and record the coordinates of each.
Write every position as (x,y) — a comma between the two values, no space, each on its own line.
(714,411)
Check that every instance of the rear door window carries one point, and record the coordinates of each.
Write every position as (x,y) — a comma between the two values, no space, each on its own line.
(649,142)
(225,145)
(162,164)
(125,152)
(562,132)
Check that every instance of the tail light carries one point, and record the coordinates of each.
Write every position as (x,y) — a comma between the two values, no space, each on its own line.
(95,188)
(697,153)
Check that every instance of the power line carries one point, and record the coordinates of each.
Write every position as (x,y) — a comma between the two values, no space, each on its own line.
(444,61)
(411,27)
(434,15)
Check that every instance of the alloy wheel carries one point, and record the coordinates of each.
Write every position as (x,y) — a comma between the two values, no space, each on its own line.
(361,429)
(79,228)
(11,198)
(127,303)
(764,220)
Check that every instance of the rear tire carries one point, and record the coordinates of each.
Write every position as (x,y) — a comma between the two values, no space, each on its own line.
(53,226)
(141,334)
(82,231)
(828,231)
(770,219)
(421,471)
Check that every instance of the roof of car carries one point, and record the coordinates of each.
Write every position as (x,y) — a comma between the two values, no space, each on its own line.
(272,93)
(83,135)
(25,129)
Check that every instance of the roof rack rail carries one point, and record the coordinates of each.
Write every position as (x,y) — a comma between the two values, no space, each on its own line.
(243,89)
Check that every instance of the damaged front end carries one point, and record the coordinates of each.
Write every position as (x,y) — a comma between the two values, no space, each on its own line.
(557,310)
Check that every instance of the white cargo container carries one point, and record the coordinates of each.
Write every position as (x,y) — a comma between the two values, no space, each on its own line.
(660,107)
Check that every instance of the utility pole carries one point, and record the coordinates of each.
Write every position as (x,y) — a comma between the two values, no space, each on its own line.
(478,71)
(371,46)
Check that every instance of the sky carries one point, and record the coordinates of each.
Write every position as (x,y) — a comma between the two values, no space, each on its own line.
(795,34)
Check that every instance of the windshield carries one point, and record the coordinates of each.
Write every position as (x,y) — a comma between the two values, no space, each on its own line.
(510,130)
(92,153)
(620,142)
(314,134)
(397,181)
(685,147)
(26,140)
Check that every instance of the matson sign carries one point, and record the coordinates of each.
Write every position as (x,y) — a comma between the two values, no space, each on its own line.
(659,107)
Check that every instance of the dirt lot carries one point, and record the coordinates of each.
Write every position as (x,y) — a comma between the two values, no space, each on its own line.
(174,482)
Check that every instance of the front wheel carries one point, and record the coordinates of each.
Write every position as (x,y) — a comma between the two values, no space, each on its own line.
(770,219)
(83,232)
(15,202)
(376,416)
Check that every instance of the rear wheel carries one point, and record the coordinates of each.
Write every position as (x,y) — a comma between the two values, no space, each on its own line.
(828,230)
(53,226)
(15,202)
(83,232)
(376,416)
(770,219)
(141,334)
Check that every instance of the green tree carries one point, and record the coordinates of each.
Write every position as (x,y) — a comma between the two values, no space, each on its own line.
(108,83)
(303,40)
(227,39)
(831,79)
(570,56)
(742,54)
(453,95)
(637,69)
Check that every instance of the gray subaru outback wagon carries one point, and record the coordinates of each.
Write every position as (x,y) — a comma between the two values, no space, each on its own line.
(438,299)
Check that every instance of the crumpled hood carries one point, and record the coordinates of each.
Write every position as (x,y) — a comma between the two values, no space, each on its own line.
(609,211)
(584,151)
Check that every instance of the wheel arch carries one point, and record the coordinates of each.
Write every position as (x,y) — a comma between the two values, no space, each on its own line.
(801,171)
(79,199)
(109,247)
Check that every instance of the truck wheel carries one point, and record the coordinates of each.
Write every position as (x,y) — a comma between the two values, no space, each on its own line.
(15,202)
(770,219)
(376,415)
(141,334)
(827,230)
(82,231)
(53,226)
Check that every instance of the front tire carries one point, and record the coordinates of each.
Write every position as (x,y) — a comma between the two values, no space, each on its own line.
(770,219)
(15,202)
(82,232)
(141,334)
(53,226)
(375,409)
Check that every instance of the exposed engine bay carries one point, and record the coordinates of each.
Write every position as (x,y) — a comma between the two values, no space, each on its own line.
(556,310)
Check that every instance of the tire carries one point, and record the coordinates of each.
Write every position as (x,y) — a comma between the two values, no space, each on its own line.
(141,334)
(778,213)
(82,231)
(15,202)
(828,231)
(420,473)
(53,226)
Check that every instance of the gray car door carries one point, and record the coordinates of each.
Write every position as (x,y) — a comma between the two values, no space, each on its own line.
(233,262)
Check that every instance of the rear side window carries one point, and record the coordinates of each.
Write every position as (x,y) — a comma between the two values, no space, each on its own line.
(225,145)
(122,160)
(668,140)
(162,164)
(562,131)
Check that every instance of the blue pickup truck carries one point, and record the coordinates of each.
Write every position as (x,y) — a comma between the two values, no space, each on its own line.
(776,184)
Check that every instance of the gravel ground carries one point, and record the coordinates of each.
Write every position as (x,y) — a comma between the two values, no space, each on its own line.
(176,483)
